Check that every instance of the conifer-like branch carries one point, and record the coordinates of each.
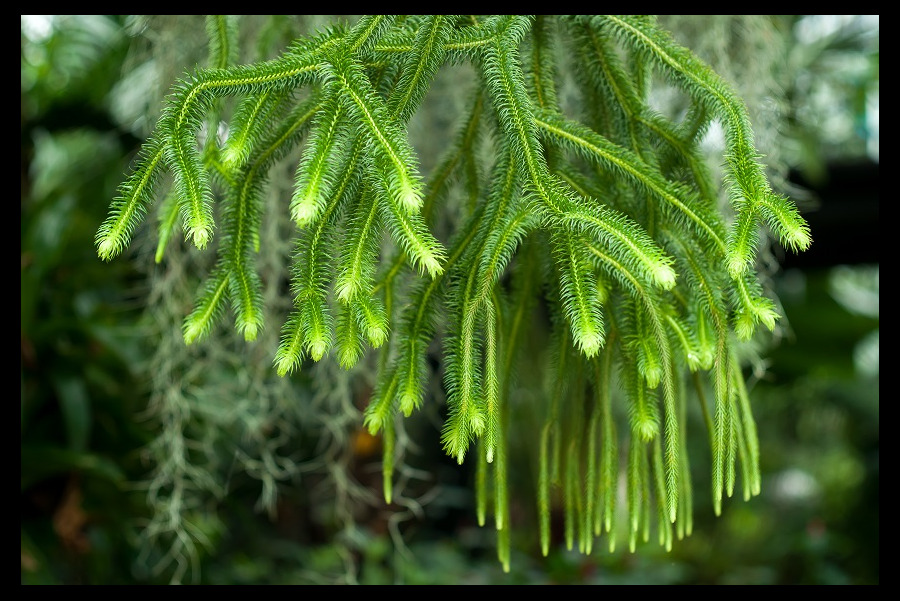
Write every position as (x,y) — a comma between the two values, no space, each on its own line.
(611,218)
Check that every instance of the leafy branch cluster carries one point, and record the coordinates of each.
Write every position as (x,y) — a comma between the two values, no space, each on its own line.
(606,223)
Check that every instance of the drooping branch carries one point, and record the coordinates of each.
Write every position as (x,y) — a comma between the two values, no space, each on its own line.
(598,235)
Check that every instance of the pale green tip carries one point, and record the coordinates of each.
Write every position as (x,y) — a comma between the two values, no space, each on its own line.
(590,341)
(647,429)
(348,358)
(489,455)
(373,423)
(409,198)
(200,235)
(283,366)
(346,289)
(304,211)
(477,422)
(377,335)
(408,402)
(707,357)
(665,276)
(652,376)
(107,249)
(192,331)
(251,329)
(317,349)
(432,265)
(766,314)
(232,157)
(737,265)
(798,239)
(693,361)
(744,325)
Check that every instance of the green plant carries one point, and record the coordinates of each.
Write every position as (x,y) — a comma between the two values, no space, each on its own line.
(566,214)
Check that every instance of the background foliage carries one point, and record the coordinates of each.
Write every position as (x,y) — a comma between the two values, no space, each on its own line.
(101,385)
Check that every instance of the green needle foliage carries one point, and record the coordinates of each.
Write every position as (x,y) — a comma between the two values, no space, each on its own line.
(603,222)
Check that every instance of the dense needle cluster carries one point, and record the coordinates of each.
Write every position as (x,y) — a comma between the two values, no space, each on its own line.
(606,224)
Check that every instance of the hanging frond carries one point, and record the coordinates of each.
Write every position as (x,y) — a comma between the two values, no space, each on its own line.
(569,252)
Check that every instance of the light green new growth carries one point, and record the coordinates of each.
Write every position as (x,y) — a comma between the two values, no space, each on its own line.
(598,233)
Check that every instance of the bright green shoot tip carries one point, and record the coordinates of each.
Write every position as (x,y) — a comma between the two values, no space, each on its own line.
(108,248)
(200,235)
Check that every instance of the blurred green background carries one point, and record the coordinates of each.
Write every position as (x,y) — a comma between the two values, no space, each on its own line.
(85,392)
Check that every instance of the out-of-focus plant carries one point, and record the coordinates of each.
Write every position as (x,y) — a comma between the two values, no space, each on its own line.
(831,81)
(79,390)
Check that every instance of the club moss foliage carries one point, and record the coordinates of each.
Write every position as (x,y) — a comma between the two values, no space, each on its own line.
(602,225)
